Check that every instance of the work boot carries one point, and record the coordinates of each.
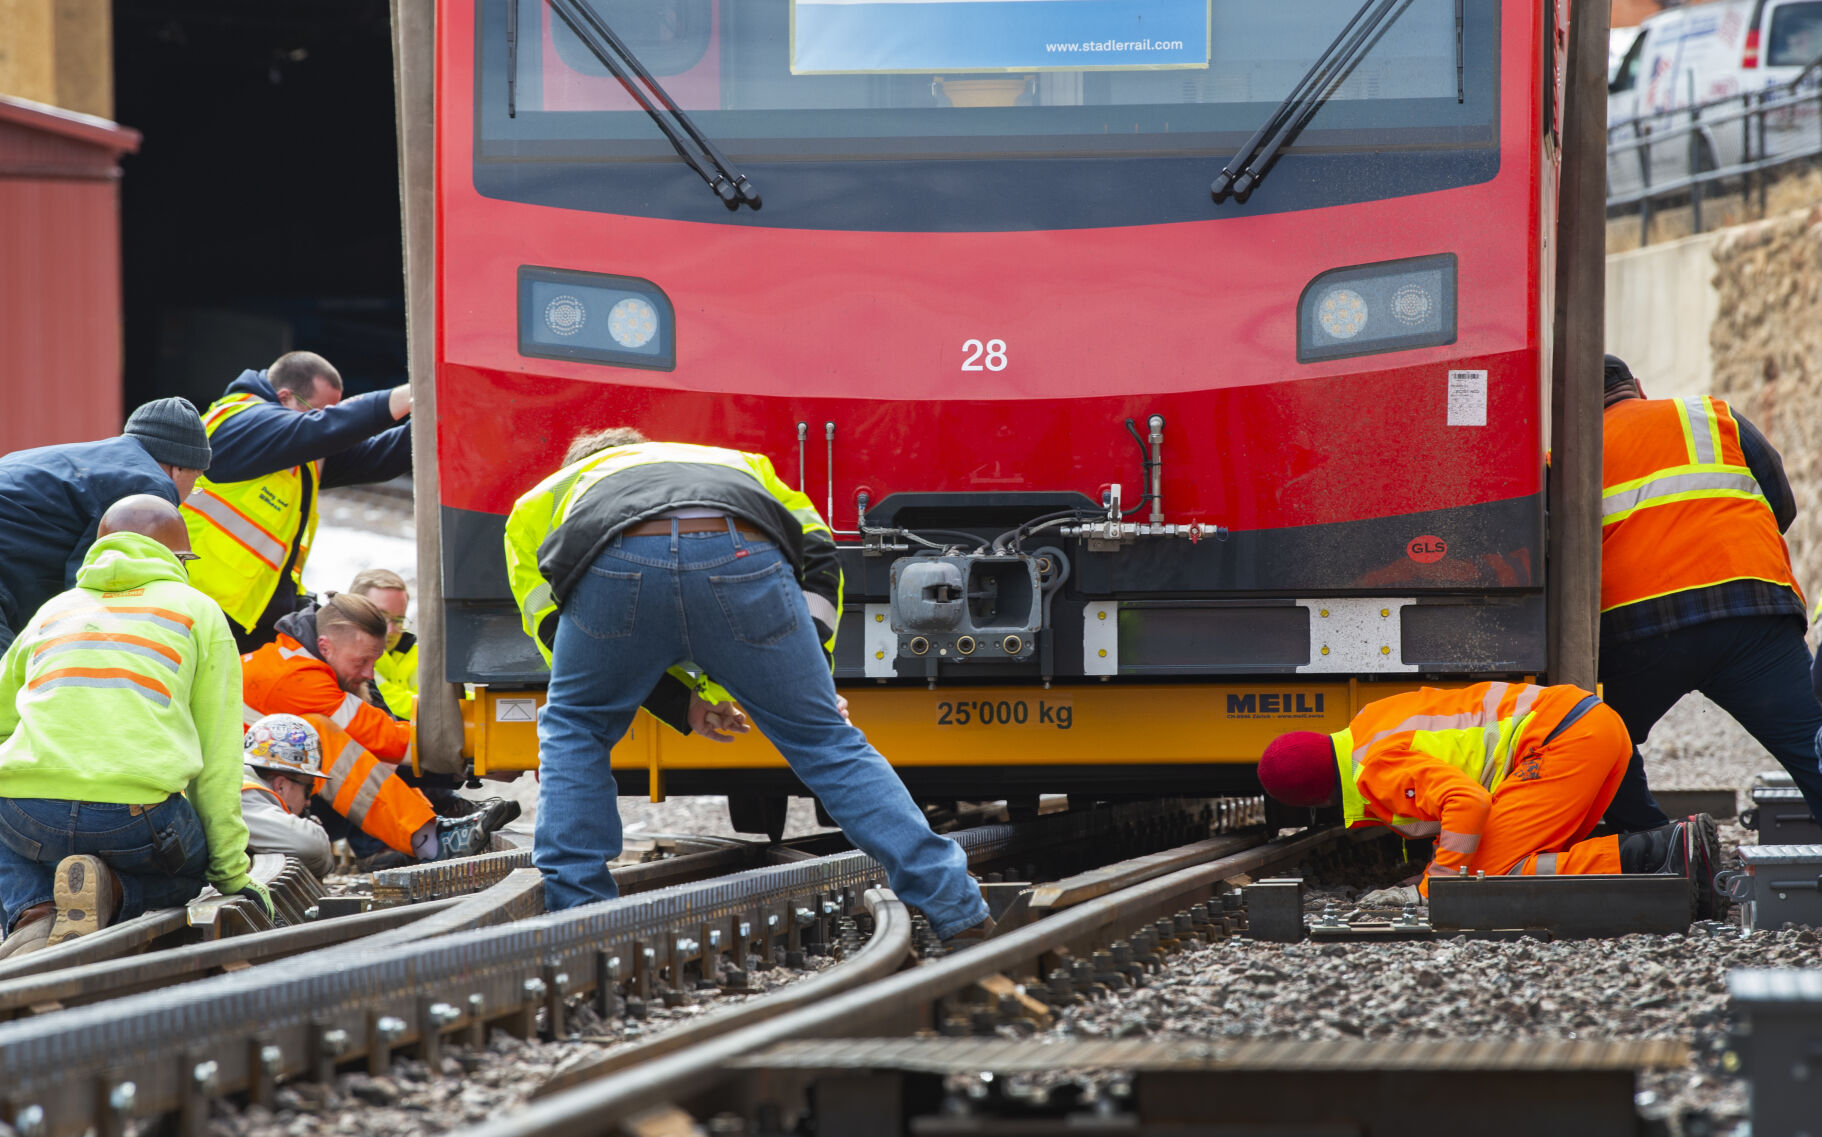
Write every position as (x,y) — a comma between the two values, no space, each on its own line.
(1690,847)
(968,937)
(87,895)
(462,836)
(33,931)
(499,812)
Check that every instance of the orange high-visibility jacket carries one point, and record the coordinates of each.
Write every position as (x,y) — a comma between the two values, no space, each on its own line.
(367,791)
(282,677)
(1427,762)
(1680,509)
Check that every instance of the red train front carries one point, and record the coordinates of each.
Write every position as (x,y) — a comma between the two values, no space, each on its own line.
(1181,472)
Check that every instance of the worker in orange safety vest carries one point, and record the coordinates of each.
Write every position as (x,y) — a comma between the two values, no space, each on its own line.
(316,668)
(1509,778)
(1697,588)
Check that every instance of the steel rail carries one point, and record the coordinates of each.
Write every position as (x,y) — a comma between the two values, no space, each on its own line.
(885,951)
(292,886)
(118,974)
(166,1051)
(899,1004)
(1057,896)
(438,880)
(112,978)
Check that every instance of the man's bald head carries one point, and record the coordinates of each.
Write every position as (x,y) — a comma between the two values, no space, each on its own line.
(149,516)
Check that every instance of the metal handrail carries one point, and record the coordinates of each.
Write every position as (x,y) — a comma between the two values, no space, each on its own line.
(1696,121)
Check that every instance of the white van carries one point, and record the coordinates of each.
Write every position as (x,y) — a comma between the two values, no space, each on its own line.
(1697,54)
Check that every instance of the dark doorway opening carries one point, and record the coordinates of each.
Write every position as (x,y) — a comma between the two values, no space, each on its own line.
(261,214)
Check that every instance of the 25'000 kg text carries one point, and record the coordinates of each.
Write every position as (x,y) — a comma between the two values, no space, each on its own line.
(1005,712)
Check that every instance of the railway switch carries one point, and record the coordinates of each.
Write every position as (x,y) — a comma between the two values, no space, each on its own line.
(1775,885)
(1781,816)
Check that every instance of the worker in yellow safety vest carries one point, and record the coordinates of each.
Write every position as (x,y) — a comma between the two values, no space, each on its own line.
(1697,588)
(638,556)
(395,672)
(279,437)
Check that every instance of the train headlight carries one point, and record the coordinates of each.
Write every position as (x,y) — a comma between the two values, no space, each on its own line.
(595,317)
(1368,309)
(633,322)
(1342,313)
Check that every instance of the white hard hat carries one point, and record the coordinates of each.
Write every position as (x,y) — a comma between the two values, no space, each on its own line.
(284,744)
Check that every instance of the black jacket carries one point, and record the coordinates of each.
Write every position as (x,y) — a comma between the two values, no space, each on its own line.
(50,501)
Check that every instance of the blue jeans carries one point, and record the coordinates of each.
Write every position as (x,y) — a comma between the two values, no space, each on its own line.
(732,606)
(1756,668)
(159,853)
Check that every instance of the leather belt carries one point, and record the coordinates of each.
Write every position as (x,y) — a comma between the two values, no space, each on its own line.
(661,527)
(142,810)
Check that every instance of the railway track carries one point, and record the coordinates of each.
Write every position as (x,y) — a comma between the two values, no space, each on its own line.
(969,1043)
(462,966)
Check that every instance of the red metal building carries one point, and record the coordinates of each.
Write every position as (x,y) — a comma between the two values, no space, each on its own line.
(60,337)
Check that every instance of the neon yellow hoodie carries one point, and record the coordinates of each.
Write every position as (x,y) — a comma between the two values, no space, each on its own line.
(126,689)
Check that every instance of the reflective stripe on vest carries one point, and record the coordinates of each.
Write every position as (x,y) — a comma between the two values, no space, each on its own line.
(1478,742)
(1680,508)
(544,508)
(244,531)
(355,777)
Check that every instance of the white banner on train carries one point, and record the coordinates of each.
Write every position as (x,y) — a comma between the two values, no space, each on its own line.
(872,37)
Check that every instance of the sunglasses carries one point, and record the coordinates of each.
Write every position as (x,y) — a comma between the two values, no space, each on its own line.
(186,558)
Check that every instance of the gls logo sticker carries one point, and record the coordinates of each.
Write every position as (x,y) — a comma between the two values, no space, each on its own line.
(1427,550)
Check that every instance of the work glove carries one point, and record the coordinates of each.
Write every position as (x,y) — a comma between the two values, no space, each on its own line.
(256,892)
(1398,896)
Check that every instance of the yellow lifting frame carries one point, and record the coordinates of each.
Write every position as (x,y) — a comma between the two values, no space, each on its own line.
(1097,724)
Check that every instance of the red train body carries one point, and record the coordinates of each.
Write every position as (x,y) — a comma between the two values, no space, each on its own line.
(979,314)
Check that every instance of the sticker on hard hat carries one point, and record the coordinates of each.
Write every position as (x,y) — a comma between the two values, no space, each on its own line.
(1427,549)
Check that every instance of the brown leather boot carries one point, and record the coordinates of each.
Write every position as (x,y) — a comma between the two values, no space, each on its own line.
(32,932)
(88,896)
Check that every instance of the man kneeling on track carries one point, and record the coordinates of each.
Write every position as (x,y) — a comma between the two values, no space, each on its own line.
(1510,778)
(118,747)
(317,668)
(605,558)
(284,763)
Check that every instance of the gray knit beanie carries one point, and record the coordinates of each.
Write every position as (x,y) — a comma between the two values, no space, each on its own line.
(172,433)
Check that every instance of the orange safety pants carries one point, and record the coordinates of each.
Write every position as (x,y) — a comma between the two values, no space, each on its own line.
(367,791)
(1553,798)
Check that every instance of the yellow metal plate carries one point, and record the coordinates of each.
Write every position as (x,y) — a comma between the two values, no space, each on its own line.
(1095,724)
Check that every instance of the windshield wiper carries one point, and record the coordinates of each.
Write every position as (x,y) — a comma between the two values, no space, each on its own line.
(1247,167)
(730,185)
(512,58)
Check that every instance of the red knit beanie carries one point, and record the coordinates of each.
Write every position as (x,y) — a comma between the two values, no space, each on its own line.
(1299,768)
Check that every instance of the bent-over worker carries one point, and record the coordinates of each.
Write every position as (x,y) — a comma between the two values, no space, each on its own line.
(1697,589)
(281,436)
(1509,778)
(284,763)
(52,497)
(119,743)
(639,556)
(316,668)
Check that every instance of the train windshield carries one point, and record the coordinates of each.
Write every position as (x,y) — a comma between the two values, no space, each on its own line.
(833,79)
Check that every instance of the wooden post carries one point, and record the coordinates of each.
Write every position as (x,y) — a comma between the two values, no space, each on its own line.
(1573,581)
(439,720)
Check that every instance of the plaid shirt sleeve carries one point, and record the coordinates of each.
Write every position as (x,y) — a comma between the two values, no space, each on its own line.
(1696,606)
